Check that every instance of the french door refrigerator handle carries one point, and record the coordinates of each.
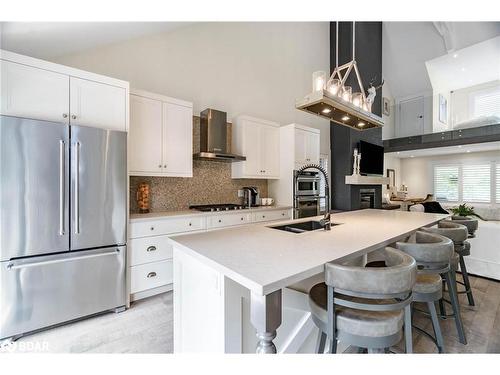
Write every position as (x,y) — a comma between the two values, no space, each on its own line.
(12,266)
(62,155)
(77,188)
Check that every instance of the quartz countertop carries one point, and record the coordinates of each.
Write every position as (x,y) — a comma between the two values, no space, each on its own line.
(180,213)
(264,259)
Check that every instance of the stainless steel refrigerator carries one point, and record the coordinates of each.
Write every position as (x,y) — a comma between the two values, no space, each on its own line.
(63,212)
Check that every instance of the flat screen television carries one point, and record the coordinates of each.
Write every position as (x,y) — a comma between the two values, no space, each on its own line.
(372,159)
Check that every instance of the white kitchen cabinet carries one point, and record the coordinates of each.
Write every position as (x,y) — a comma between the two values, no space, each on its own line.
(259,141)
(150,251)
(177,139)
(145,135)
(34,93)
(42,90)
(306,147)
(299,145)
(96,104)
(161,136)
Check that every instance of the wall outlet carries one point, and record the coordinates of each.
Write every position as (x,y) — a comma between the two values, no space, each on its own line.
(241,194)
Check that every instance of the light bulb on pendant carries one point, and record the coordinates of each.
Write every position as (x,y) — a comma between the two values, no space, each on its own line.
(357,99)
(318,80)
(333,87)
(347,93)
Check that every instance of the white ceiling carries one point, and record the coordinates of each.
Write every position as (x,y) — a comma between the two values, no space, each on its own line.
(478,147)
(406,46)
(47,40)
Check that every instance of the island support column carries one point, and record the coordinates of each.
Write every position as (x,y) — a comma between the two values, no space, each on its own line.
(265,315)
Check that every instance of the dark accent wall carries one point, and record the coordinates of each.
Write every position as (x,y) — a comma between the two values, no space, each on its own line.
(343,140)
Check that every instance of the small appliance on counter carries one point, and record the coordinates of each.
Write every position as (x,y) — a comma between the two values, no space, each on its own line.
(143,198)
(251,196)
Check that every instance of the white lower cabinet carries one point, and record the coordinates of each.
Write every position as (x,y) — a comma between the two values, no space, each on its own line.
(272,215)
(150,250)
(151,275)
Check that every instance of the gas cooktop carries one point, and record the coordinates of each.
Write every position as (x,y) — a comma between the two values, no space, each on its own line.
(217,207)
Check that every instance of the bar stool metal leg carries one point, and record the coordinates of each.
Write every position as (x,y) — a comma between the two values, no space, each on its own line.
(435,325)
(320,344)
(465,277)
(408,329)
(452,290)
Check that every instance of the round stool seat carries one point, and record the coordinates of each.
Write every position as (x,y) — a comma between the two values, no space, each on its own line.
(470,223)
(427,283)
(463,250)
(355,322)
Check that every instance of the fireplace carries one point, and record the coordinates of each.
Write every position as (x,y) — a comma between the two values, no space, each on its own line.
(367,198)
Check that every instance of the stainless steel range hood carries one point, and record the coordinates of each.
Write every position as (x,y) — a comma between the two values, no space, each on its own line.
(213,138)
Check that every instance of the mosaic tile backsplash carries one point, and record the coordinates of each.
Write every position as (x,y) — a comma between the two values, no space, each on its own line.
(211,183)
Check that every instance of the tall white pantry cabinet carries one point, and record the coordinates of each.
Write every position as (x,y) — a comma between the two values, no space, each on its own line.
(42,90)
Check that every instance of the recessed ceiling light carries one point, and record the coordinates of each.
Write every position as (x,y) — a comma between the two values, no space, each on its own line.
(412,156)
(459,146)
(398,152)
(455,55)
(346,118)
(468,150)
(361,124)
(326,110)
(463,69)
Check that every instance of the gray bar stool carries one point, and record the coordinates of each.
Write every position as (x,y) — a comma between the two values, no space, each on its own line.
(470,223)
(365,307)
(458,234)
(432,253)
(462,248)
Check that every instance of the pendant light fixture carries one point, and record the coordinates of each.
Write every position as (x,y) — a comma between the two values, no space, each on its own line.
(335,101)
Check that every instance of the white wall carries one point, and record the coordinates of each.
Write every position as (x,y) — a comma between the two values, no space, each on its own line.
(417,173)
(391,162)
(258,69)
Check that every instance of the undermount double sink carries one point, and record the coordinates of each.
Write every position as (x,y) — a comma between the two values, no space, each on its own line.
(305,226)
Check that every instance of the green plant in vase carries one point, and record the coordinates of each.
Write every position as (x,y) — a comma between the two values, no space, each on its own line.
(464,210)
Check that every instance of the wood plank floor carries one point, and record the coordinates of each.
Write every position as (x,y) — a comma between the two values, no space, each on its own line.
(147,327)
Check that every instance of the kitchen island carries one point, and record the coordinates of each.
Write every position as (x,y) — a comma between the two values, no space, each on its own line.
(231,287)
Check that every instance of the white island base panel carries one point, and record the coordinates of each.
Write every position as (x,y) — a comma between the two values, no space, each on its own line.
(212,314)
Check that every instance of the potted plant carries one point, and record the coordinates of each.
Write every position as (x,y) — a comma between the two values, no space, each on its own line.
(464,210)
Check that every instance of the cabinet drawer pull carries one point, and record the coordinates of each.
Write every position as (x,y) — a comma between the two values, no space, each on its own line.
(73,117)
(282,214)
(65,115)
(220,221)
(263,216)
(151,274)
(241,219)
(190,224)
(151,248)
(152,228)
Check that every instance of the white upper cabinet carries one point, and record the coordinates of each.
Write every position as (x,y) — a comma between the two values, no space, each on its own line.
(33,93)
(259,141)
(178,139)
(97,104)
(307,144)
(43,90)
(145,135)
(161,136)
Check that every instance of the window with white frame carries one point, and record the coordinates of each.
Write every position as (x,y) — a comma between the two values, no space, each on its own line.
(446,183)
(474,182)
(485,102)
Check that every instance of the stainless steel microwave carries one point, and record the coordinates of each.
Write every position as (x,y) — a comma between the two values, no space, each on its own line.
(307,183)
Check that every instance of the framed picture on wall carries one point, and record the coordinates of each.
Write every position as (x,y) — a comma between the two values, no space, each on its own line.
(443,109)
(391,173)
(386,106)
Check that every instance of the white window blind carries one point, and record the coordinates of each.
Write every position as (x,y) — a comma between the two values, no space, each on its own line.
(497,172)
(446,183)
(476,183)
(486,103)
